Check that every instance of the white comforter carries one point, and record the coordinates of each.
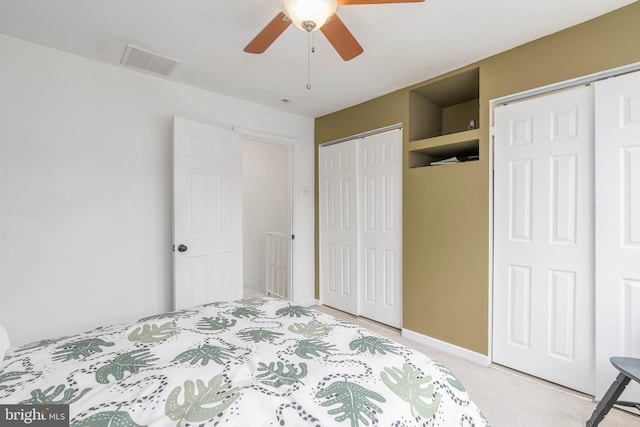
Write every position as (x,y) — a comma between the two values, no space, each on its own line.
(254,362)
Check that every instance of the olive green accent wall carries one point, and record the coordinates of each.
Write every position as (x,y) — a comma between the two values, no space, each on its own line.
(446,208)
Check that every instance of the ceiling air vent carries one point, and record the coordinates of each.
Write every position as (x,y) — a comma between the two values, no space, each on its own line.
(141,59)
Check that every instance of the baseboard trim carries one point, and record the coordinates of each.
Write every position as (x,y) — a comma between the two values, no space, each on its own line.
(479,358)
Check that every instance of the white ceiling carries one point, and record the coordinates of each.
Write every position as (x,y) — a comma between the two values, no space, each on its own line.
(403,43)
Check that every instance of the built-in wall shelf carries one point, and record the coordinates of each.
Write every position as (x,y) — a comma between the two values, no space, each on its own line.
(458,148)
(439,143)
(444,120)
(446,106)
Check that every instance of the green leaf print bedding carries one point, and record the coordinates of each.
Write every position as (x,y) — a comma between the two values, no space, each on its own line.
(252,362)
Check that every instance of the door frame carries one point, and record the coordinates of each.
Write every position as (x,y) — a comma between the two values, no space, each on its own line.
(519,96)
(292,153)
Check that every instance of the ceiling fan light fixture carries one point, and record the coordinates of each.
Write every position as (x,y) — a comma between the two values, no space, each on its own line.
(309,15)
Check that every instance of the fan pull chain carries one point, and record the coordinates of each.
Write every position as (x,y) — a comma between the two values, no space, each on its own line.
(310,50)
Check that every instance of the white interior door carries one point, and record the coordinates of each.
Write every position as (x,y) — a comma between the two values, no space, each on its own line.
(207,178)
(543,238)
(338,171)
(380,223)
(617,227)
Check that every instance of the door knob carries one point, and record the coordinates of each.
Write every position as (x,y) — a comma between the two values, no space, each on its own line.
(182,248)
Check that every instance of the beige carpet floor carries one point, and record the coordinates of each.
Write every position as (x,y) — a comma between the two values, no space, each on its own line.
(507,398)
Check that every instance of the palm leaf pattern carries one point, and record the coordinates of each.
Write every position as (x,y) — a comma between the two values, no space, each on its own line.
(200,402)
(246,312)
(308,348)
(38,344)
(215,364)
(205,353)
(451,379)
(39,397)
(131,361)
(355,402)
(252,301)
(293,310)
(215,323)
(150,333)
(372,345)
(81,348)
(259,335)
(277,373)
(310,329)
(6,377)
(180,314)
(412,386)
(115,418)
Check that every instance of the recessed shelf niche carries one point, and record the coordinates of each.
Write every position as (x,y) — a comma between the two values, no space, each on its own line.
(460,148)
(445,106)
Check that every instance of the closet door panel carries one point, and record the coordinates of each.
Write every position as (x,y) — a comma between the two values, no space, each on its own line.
(543,237)
(617,227)
(380,228)
(338,176)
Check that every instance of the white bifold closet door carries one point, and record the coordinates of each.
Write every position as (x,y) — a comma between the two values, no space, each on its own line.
(617,227)
(566,286)
(360,183)
(338,187)
(543,237)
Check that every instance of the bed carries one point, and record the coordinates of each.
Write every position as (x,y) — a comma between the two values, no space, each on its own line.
(251,362)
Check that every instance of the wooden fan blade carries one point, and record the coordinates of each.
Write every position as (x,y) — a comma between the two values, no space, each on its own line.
(345,2)
(341,38)
(269,34)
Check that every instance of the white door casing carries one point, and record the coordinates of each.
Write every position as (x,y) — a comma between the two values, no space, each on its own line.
(337,183)
(207,194)
(543,237)
(380,226)
(617,154)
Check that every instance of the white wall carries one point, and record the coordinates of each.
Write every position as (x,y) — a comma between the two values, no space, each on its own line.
(85,188)
(265,193)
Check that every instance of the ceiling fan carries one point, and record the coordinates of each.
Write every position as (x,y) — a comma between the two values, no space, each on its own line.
(312,15)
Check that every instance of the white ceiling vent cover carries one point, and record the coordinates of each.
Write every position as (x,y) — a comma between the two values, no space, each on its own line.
(145,60)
